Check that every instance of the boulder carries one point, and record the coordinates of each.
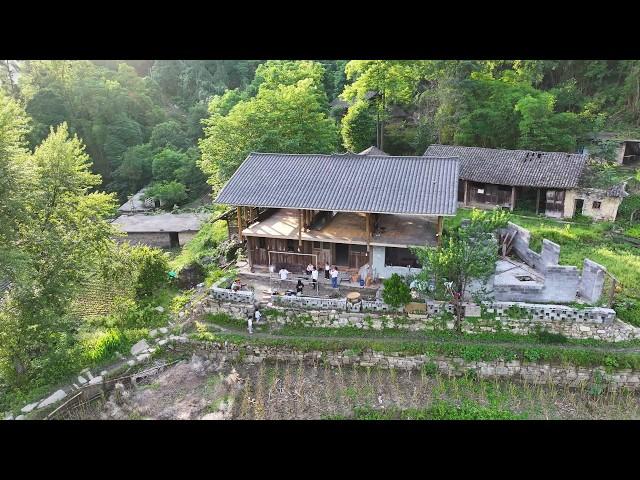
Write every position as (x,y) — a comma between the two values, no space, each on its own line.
(96,380)
(81,380)
(159,309)
(29,408)
(139,347)
(143,357)
(153,333)
(163,330)
(20,417)
(9,417)
(55,397)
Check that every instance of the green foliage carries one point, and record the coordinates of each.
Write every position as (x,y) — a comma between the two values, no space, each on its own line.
(169,193)
(396,292)
(439,410)
(169,135)
(358,127)
(628,310)
(268,122)
(152,266)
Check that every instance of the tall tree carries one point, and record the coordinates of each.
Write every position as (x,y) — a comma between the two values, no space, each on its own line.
(62,237)
(287,119)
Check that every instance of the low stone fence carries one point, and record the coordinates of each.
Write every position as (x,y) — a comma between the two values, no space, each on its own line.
(318,303)
(530,372)
(518,318)
(226,294)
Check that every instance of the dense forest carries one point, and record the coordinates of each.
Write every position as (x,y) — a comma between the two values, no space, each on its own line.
(177,123)
(78,137)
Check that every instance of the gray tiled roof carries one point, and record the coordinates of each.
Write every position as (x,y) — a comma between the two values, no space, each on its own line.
(373,151)
(166,222)
(351,183)
(515,167)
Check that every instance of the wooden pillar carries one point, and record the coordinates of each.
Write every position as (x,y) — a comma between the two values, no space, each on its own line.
(251,242)
(466,193)
(240,223)
(513,198)
(368,227)
(439,231)
(300,213)
(537,201)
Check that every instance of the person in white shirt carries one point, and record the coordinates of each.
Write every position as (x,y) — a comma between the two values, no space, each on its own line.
(314,277)
(283,274)
(258,316)
(334,277)
(250,325)
(309,269)
(327,268)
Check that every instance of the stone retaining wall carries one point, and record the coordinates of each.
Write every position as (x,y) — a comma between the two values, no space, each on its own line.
(226,294)
(518,318)
(530,372)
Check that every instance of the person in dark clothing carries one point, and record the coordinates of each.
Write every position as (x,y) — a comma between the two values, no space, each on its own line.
(299,287)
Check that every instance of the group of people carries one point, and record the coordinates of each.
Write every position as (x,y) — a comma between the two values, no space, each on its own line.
(311,271)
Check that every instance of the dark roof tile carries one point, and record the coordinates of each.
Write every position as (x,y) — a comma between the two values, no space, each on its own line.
(352,183)
(515,167)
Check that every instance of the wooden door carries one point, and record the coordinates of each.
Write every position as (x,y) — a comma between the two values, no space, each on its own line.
(554,202)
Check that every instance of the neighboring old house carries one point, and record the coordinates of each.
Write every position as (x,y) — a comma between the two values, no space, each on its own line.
(166,230)
(545,182)
(373,151)
(348,210)
(138,204)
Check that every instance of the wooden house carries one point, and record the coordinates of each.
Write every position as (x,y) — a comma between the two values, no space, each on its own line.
(347,210)
(551,183)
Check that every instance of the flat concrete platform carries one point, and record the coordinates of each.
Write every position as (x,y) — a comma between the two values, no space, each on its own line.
(396,230)
(510,272)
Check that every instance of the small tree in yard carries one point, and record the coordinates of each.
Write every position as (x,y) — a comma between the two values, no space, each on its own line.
(396,292)
(468,253)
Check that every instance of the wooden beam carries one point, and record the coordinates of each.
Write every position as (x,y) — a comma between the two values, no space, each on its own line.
(439,232)
(513,198)
(239,223)
(466,193)
(368,225)
(537,200)
(300,229)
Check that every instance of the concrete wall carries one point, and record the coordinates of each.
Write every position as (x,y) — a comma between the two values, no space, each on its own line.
(160,239)
(227,295)
(608,208)
(561,282)
(592,282)
(382,271)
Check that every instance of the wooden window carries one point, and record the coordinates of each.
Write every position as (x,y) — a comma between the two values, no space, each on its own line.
(326,246)
(262,242)
(317,244)
(358,248)
(596,205)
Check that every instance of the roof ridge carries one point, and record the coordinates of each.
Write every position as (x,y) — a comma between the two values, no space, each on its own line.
(355,155)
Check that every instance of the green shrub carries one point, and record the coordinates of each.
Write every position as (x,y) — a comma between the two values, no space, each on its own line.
(544,336)
(152,265)
(628,310)
(103,345)
(396,292)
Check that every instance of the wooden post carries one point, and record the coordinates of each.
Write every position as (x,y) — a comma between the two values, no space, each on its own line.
(240,223)
(513,198)
(466,193)
(300,212)
(439,232)
(251,242)
(368,225)
(537,201)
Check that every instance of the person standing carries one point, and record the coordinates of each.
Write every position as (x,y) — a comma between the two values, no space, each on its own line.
(334,277)
(314,277)
(327,268)
(283,274)
(250,325)
(310,268)
(258,316)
